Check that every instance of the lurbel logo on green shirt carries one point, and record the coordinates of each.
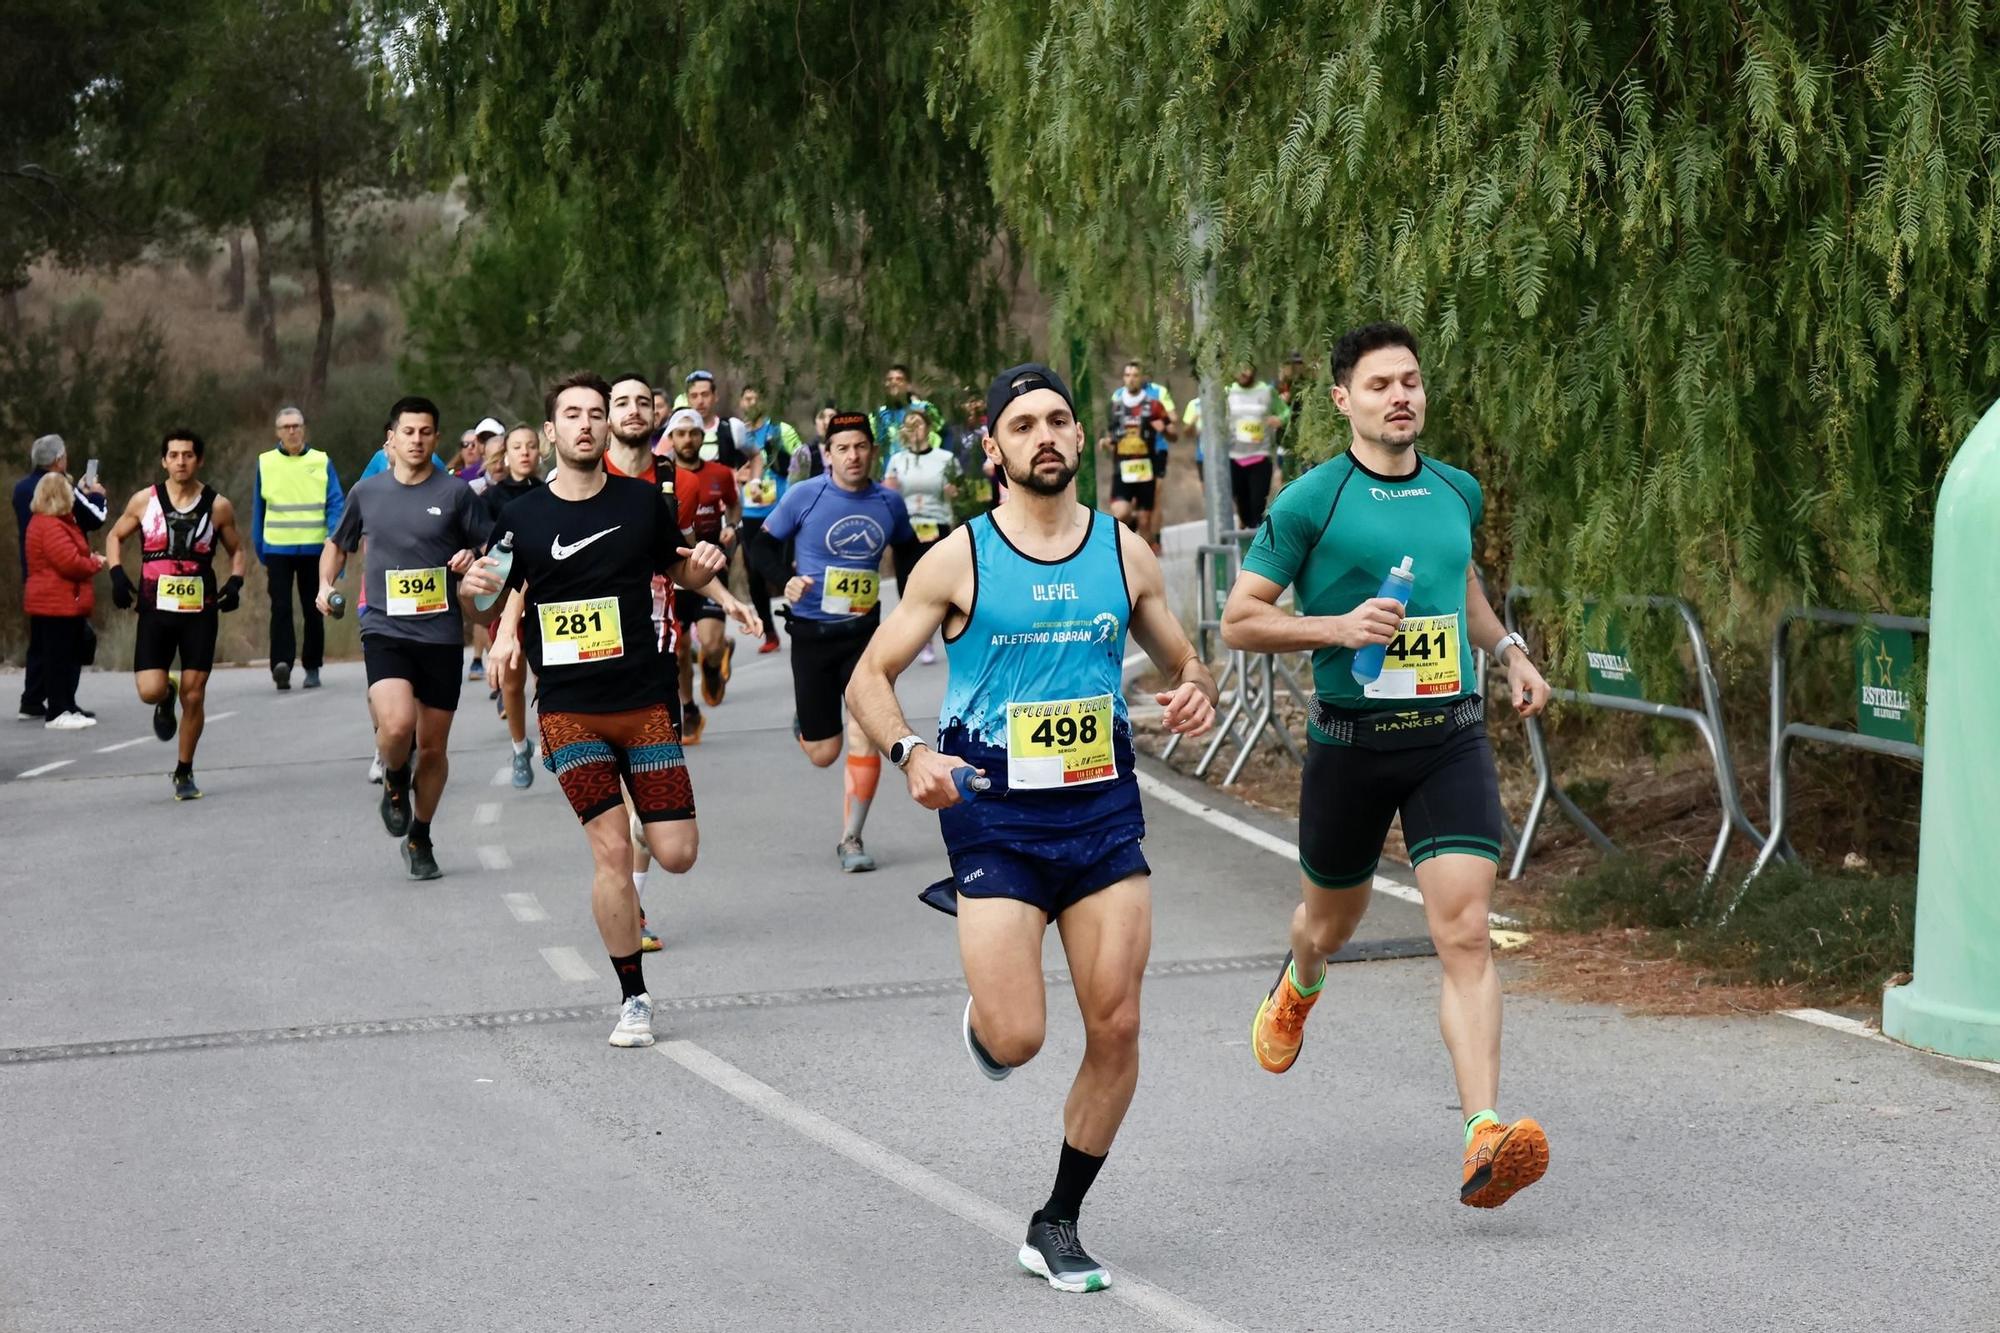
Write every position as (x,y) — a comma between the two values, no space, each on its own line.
(1406,493)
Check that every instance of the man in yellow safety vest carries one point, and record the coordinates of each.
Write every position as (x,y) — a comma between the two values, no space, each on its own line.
(297,502)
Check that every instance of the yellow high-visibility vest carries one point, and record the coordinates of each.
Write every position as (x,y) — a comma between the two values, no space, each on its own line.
(294,491)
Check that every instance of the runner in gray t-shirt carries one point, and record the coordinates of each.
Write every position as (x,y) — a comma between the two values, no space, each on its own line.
(422,528)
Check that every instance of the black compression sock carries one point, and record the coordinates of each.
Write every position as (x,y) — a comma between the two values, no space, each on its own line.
(1074,1175)
(631,978)
(183,771)
(420,832)
(398,779)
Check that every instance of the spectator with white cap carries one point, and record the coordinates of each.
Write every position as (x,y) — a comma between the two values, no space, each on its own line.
(48,454)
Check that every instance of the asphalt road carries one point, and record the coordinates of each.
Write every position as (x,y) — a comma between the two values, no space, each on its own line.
(251,1078)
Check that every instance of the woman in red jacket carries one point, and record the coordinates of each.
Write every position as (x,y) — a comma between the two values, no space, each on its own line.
(59,598)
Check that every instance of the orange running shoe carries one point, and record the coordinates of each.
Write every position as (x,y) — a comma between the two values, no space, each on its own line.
(1279,1029)
(1501,1161)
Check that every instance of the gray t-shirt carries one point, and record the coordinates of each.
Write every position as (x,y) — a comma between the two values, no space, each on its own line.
(412,532)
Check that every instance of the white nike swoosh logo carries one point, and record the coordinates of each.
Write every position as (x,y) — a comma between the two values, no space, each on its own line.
(561,552)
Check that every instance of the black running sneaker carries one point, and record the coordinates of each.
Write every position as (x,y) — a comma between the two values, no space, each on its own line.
(420,860)
(1053,1251)
(165,724)
(395,807)
(184,788)
(281,675)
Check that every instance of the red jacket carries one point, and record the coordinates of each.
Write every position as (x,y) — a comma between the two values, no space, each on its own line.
(60,569)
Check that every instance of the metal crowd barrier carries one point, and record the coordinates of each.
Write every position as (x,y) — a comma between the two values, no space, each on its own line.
(1784,732)
(1255,679)
(1706,720)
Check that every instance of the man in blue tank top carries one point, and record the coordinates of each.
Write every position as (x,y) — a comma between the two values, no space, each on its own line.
(1035,600)
(839,526)
(1402,733)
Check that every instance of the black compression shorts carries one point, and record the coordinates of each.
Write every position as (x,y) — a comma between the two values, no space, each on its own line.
(823,658)
(1447,793)
(163,635)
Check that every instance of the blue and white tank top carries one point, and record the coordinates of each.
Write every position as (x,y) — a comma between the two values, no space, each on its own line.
(1035,695)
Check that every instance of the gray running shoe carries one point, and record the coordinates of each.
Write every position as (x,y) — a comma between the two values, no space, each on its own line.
(395,807)
(635,1023)
(312,678)
(988,1066)
(853,857)
(184,788)
(524,769)
(281,674)
(1053,1251)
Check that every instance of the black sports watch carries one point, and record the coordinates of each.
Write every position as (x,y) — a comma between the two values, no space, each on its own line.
(900,752)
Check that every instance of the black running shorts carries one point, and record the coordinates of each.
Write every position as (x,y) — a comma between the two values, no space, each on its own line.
(1447,793)
(824,655)
(692,606)
(164,635)
(434,670)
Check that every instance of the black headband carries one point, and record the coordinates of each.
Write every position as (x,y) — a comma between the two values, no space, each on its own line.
(851,421)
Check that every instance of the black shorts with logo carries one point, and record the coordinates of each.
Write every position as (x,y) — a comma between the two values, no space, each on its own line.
(692,606)
(165,635)
(1446,791)
(824,655)
(435,670)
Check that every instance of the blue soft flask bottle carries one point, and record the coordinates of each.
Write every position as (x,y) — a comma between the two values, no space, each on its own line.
(1368,661)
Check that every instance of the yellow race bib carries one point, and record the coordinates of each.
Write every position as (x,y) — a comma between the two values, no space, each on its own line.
(926,529)
(179,592)
(586,630)
(1059,744)
(415,592)
(1133,471)
(761,491)
(849,592)
(1421,662)
(1133,445)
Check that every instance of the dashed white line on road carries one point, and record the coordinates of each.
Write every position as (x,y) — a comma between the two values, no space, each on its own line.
(526,908)
(1168,1310)
(124,745)
(503,776)
(495,858)
(486,812)
(45,768)
(217,717)
(568,964)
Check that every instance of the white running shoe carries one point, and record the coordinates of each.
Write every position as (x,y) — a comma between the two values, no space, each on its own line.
(375,769)
(635,1023)
(71,721)
(929,655)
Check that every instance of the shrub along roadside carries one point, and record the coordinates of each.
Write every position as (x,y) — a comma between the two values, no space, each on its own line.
(1837,936)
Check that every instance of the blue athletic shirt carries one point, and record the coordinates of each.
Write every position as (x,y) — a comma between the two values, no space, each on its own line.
(842,531)
(1041,632)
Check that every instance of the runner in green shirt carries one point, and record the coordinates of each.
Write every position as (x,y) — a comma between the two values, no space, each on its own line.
(1403,734)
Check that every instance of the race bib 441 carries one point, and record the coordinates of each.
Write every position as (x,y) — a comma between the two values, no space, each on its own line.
(1062,743)
(415,592)
(849,592)
(1421,662)
(586,630)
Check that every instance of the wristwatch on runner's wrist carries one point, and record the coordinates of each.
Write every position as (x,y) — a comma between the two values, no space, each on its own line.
(900,752)
(1510,640)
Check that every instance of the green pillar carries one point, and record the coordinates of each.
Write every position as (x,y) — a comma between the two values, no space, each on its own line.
(1083,384)
(1952,1004)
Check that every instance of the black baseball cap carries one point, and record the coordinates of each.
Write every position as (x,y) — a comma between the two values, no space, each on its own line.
(1011,383)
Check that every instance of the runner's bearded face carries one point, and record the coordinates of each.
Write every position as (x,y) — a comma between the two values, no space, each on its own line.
(579,430)
(851,455)
(413,439)
(751,405)
(1135,379)
(632,413)
(659,408)
(1384,398)
(1040,442)
(685,441)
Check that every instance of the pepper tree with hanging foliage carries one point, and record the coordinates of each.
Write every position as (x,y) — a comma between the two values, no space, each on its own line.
(701,177)
(1706,288)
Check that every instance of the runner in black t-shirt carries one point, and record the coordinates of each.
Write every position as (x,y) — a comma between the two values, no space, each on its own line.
(579,608)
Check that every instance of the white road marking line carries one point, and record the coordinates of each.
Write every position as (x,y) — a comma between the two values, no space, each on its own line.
(503,776)
(495,858)
(217,717)
(568,964)
(486,812)
(1164,1307)
(1854,1027)
(526,908)
(124,745)
(45,768)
